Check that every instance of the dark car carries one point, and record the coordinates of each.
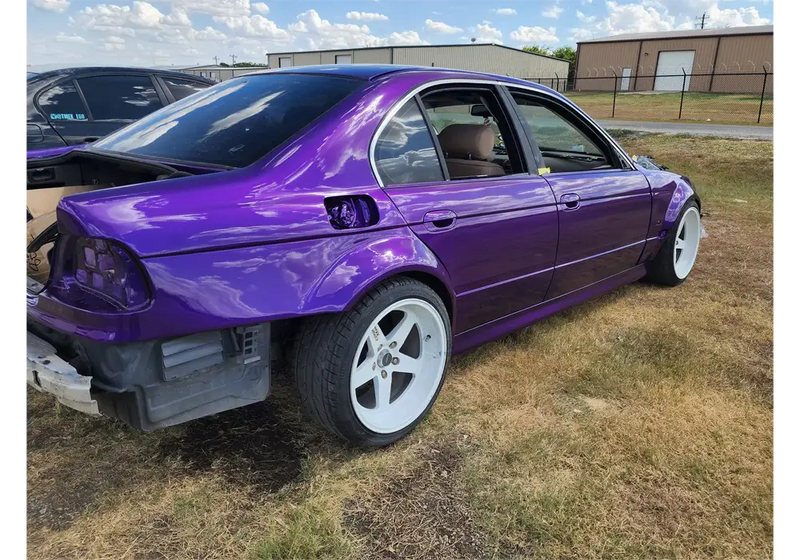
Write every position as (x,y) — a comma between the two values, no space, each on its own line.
(79,105)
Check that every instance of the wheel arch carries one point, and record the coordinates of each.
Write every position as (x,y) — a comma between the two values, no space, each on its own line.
(402,253)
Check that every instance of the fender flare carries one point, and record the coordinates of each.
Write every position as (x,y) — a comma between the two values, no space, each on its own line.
(683,193)
(358,271)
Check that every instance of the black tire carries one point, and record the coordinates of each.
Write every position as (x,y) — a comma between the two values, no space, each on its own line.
(661,270)
(325,351)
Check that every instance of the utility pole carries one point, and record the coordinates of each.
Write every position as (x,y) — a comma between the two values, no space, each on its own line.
(216,60)
(233,60)
(702,19)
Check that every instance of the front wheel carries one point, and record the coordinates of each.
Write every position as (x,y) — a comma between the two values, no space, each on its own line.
(676,258)
(372,373)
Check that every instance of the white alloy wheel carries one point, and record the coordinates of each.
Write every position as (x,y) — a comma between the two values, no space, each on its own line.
(398,366)
(687,242)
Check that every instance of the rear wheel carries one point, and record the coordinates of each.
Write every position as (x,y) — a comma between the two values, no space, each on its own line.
(371,374)
(677,255)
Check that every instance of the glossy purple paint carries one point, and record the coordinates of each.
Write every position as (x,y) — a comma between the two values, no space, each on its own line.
(256,244)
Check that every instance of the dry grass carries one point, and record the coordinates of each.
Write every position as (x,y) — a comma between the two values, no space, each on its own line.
(636,425)
(718,108)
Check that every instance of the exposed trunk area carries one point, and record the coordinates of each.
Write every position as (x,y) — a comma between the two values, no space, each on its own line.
(51,179)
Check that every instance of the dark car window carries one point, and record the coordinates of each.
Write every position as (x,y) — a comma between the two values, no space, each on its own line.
(233,123)
(183,88)
(62,103)
(404,152)
(120,97)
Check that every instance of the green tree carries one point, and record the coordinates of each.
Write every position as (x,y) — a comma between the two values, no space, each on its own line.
(567,53)
(538,49)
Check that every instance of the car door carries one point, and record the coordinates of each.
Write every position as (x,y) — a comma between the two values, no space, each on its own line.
(496,235)
(112,101)
(603,201)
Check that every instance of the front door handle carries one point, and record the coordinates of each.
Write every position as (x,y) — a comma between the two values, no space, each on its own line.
(90,139)
(439,220)
(571,200)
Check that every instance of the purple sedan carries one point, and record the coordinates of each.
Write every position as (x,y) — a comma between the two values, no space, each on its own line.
(359,224)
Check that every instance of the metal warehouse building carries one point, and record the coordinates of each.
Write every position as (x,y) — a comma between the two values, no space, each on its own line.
(656,61)
(496,59)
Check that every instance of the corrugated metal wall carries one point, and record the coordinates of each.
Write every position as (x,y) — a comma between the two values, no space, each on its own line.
(483,58)
(737,53)
(373,56)
(596,60)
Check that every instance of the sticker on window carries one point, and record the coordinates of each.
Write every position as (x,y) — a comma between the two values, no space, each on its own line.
(67,117)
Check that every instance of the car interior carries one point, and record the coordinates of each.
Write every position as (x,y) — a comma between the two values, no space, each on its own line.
(473,144)
(471,131)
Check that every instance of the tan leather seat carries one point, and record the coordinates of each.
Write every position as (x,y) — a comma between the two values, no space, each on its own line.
(467,148)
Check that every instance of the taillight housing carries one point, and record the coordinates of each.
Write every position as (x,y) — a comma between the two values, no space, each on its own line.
(108,271)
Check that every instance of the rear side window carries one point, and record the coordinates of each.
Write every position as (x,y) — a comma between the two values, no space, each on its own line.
(404,152)
(183,88)
(120,97)
(62,103)
(235,122)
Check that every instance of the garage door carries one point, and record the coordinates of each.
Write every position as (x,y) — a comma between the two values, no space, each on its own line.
(669,74)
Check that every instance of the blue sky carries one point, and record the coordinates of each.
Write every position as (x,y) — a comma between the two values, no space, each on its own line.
(188,32)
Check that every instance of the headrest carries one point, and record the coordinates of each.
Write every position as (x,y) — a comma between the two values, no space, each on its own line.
(467,141)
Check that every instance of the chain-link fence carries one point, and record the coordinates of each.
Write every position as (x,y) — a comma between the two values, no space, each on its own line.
(741,97)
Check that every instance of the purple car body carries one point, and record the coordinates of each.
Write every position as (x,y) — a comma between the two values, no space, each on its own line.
(256,245)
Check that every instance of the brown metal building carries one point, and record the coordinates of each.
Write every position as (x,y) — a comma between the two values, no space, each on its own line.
(657,61)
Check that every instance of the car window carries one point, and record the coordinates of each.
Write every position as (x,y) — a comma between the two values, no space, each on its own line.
(120,97)
(460,118)
(404,152)
(183,88)
(233,123)
(554,133)
(62,103)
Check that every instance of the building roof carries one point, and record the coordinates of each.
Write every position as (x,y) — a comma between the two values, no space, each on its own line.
(417,47)
(686,33)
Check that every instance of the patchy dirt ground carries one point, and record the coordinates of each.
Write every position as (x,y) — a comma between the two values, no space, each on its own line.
(636,425)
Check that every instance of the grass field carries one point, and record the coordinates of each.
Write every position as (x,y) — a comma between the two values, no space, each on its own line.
(636,425)
(697,107)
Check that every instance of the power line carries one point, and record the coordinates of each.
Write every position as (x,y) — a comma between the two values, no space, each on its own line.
(702,19)
(233,60)
(216,60)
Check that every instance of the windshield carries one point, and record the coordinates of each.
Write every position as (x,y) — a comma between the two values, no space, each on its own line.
(233,123)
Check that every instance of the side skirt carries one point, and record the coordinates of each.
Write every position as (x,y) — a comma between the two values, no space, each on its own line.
(500,327)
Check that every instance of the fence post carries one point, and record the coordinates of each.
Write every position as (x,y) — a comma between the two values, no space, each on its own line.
(763,90)
(558,81)
(614,106)
(683,90)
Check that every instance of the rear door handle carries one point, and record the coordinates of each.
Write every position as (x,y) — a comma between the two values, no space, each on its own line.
(439,220)
(89,139)
(571,200)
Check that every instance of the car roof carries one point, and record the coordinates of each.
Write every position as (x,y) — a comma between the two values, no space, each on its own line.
(376,71)
(76,71)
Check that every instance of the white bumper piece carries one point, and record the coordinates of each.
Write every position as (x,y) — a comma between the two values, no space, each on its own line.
(50,374)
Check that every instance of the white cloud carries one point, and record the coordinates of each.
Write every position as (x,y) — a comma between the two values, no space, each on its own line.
(734,17)
(405,38)
(553,12)
(260,7)
(64,38)
(143,15)
(207,34)
(115,39)
(366,16)
(506,11)
(440,27)
(59,6)
(485,33)
(256,26)
(581,34)
(219,8)
(534,35)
